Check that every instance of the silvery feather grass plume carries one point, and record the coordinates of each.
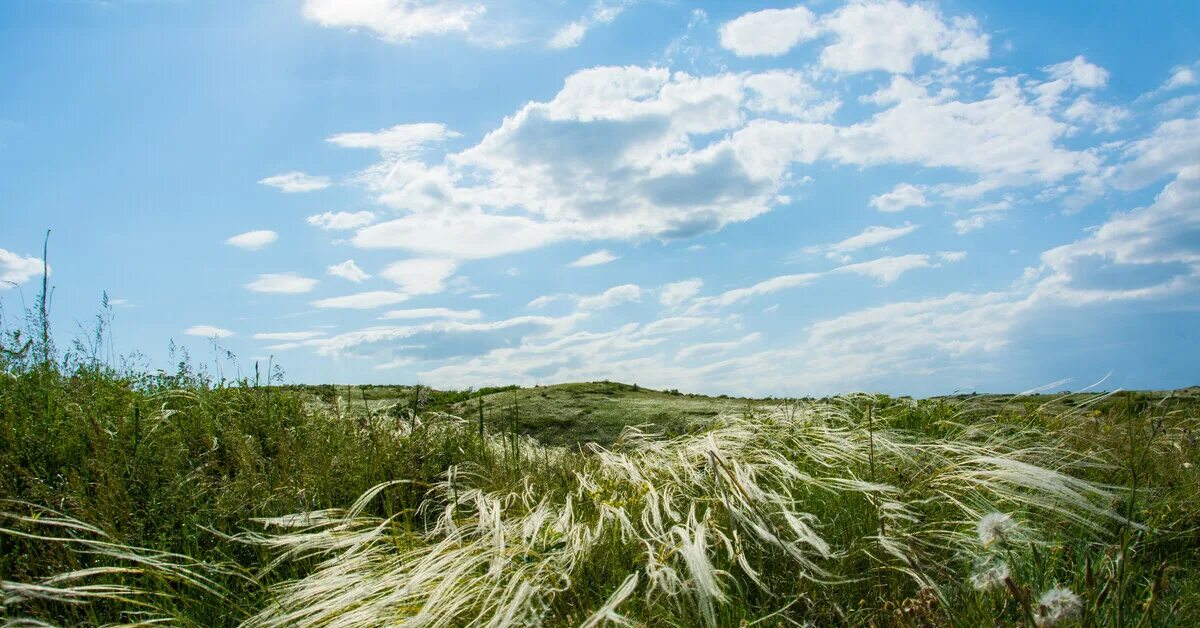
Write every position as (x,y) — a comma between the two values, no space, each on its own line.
(679,522)
(143,607)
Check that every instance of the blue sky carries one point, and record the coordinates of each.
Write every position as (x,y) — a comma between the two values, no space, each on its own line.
(747,198)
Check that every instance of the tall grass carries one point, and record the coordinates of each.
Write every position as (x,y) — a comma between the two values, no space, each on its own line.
(192,499)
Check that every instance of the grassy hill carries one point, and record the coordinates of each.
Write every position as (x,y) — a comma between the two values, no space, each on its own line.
(133,497)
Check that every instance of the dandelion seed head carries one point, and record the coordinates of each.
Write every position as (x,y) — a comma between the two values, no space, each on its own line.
(995,526)
(1058,605)
(990,575)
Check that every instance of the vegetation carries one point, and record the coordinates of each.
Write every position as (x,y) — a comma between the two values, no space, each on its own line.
(195,499)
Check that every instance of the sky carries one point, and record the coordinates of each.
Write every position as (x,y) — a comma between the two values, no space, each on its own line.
(751,198)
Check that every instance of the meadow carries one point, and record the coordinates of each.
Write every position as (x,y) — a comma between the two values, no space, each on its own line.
(192,498)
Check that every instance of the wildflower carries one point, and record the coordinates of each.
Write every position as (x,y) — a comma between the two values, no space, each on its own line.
(995,526)
(1058,605)
(989,575)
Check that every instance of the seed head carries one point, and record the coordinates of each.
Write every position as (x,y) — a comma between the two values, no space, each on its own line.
(989,575)
(993,527)
(1058,605)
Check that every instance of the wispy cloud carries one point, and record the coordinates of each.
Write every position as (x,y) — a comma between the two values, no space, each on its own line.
(208,331)
(594,259)
(296,182)
(253,240)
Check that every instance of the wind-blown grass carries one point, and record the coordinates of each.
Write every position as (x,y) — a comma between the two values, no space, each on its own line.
(192,500)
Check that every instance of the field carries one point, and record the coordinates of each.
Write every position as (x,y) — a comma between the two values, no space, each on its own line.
(136,497)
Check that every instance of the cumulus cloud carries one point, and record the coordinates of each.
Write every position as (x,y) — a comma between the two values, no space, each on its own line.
(208,331)
(771,32)
(612,297)
(869,35)
(295,182)
(17,269)
(903,196)
(349,271)
(891,35)
(1181,76)
(1173,146)
(282,283)
(253,240)
(1149,252)
(631,153)
(1102,117)
(420,275)
(341,221)
(679,292)
(1079,71)
(395,20)
(595,258)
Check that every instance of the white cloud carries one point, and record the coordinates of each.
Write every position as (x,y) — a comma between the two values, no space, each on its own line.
(1173,146)
(1149,252)
(349,271)
(439,338)
(612,297)
(420,275)
(289,335)
(569,36)
(340,221)
(885,270)
(890,36)
(771,32)
(208,331)
(17,269)
(361,300)
(473,235)
(1103,117)
(976,222)
(1181,76)
(903,196)
(952,256)
(710,348)
(788,93)
(594,259)
(282,283)
(1079,71)
(768,286)
(544,300)
(295,181)
(395,20)
(1002,135)
(627,153)
(253,240)
(982,216)
(677,293)
(871,236)
(432,312)
(400,140)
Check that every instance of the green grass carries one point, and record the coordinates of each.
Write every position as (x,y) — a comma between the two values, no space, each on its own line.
(132,497)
